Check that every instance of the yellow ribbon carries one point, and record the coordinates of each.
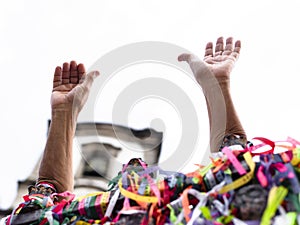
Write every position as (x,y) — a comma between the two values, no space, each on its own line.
(136,197)
(242,180)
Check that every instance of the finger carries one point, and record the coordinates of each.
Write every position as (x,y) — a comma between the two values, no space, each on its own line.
(237,47)
(184,57)
(236,50)
(229,46)
(87,79)
(187,57)
(208,49)
(93,74)
(57,77)
(66,73)
(81,70)
(219,46)
(73,72)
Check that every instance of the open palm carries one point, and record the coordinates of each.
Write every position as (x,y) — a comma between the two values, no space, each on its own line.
(222,61)
(218,63)
(71,85)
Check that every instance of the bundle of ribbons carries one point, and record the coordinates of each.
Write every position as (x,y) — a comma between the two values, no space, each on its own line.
(256,185)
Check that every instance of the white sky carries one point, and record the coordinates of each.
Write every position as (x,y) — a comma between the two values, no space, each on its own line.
(37,35)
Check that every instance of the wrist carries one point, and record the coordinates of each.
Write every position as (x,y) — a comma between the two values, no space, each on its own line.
(66,108)
(64,114)
(210,83)
(216,89)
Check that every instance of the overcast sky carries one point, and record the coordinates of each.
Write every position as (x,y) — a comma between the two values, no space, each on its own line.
(37,35)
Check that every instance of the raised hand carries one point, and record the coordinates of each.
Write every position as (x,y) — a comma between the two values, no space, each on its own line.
(213,75)
(218,63)
(71,86)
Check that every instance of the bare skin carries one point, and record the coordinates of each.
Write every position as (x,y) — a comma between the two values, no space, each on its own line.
(71,86)
(213,75)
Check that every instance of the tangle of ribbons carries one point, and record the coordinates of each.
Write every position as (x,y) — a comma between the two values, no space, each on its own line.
(258,184)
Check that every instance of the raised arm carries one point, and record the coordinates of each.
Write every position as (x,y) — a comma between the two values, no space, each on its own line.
(71,86)
(213,75)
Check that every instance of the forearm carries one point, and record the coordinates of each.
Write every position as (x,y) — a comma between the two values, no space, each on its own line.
(213,75)
(223,118)
(56,165)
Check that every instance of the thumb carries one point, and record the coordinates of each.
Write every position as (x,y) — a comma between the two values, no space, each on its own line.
(87,79)
(197,66)
(187,57)
(82,90)
(92,75)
